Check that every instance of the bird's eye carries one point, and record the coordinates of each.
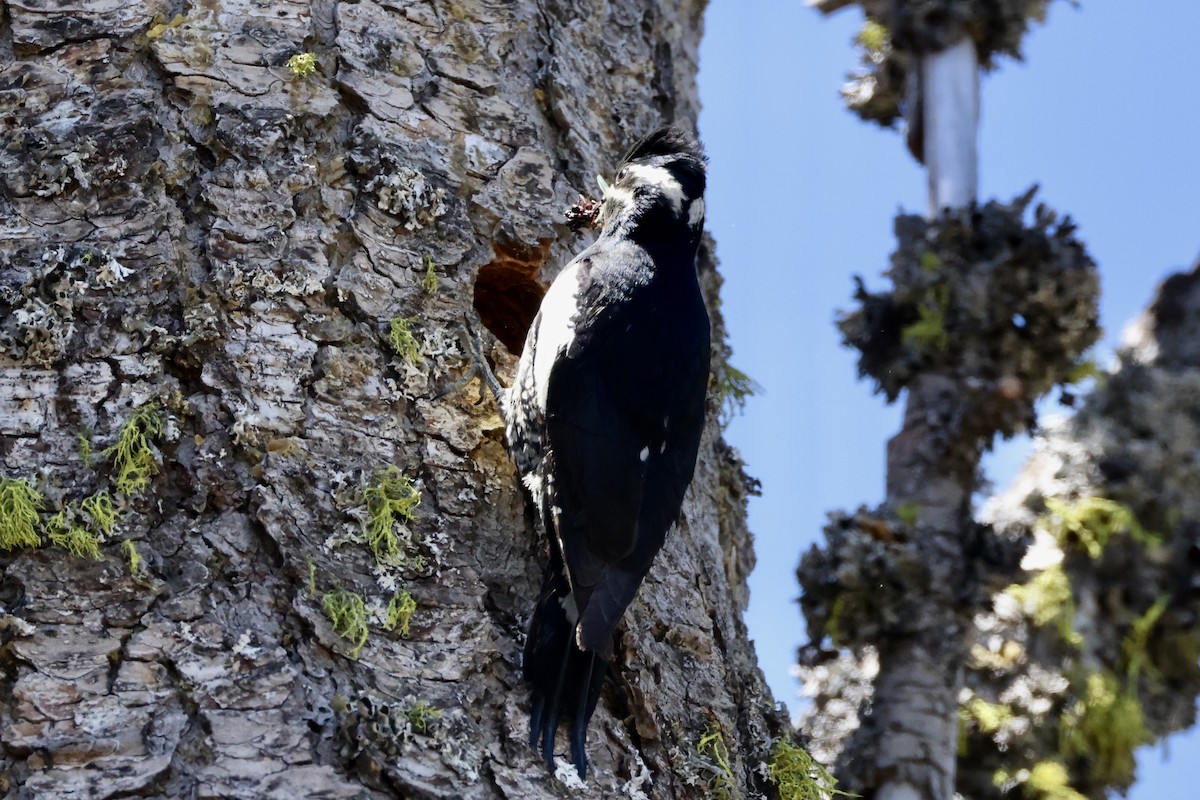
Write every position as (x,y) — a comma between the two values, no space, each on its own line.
(621,175)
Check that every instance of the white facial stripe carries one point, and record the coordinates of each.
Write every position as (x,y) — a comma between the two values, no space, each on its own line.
(696,212)
(620,198)
(660,178)
(555,329)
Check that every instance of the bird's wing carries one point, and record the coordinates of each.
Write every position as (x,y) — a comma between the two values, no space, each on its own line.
(595,467)
(619,465)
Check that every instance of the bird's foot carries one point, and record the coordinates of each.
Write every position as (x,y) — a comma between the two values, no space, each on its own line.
(479,366)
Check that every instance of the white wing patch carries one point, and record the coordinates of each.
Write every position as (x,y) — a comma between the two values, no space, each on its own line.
(556,330)
(533,482)
(696,212)
(662,179)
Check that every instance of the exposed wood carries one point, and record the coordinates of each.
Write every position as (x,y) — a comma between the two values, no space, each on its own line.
(950,101)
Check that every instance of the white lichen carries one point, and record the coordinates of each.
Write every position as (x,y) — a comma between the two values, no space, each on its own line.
(641,780)
(55,175)
(407,194)
(16,625)
(110,272)
(244,649)
(566,774)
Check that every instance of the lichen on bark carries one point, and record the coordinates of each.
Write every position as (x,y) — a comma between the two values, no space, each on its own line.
(1004,306)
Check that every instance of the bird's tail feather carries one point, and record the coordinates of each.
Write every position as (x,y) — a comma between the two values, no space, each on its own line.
(565,680)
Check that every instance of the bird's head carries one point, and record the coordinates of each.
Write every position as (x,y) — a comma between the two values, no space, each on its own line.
(660,182)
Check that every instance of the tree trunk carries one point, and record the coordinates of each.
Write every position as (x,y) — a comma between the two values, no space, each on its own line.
(231,289)
(916,693)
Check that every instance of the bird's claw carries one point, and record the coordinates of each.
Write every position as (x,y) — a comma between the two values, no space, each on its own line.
(473,344)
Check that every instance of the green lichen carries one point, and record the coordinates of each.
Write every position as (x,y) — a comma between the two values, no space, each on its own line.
(348,613)
(833,625)
(798,776)
(1047,599)
(735,388)
(1105,726)
(422,716)
(430,282)
(81,527)
(85,448)
(908,513)
(402,340)
(19,505)
(312,577)
(715,755)
(1084,368)
(400,611)
(1089,522)
(302,64)
(390,498)
(100,511)
(1133,648)
(1048,780)
(988,717)
(929,331)
(135,558)
(873,37)
(66,531)
(132,458)
(1003,659)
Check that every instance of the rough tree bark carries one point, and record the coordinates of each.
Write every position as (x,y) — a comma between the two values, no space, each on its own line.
(230,280)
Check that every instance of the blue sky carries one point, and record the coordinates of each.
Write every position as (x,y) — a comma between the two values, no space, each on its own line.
(1104,114)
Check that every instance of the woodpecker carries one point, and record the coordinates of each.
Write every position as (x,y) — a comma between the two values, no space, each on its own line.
(604,420)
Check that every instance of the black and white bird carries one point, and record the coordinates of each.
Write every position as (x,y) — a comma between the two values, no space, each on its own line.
(604,421)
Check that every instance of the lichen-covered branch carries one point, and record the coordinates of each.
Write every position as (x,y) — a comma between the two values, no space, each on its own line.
(1093,652)
(987,312)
